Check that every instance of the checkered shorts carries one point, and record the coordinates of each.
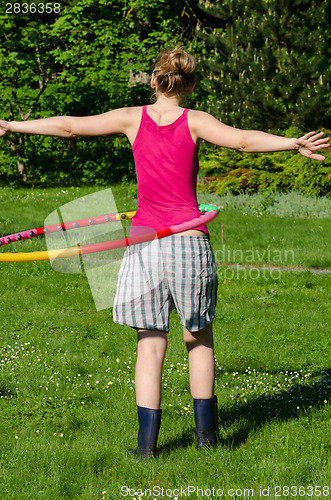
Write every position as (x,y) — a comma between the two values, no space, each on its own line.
(177,272)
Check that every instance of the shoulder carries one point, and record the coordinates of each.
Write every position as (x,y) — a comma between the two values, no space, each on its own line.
(133,110)
(198,121)
(124,119)
(197,116)
(129,119)
(128,114)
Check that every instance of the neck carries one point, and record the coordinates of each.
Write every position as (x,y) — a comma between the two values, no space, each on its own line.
(163,100)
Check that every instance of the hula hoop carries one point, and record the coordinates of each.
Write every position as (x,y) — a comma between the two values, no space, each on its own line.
(210,213)
(65,226)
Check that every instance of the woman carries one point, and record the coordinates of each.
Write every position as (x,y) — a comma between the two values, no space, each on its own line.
(179,270)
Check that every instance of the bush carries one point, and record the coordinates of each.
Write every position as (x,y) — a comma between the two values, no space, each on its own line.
(225,171)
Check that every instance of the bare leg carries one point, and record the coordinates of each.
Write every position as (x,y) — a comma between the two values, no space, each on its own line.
(152,346)
(200,349)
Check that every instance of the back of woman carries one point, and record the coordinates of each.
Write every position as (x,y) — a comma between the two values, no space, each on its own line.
(166,156)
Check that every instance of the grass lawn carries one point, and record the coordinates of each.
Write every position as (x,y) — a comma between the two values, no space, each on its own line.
(67,403)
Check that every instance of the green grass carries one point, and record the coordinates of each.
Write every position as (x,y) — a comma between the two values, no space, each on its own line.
(67,404)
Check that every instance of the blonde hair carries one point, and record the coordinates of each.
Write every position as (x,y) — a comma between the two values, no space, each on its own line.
(175,72)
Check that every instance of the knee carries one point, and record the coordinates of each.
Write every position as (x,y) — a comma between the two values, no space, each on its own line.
(203,337)
(190,339)
(152,347)
(151,351)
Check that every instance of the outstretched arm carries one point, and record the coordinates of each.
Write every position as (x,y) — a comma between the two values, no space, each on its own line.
(207,127)
(112,122)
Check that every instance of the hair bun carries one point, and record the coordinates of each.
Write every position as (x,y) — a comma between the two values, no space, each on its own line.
(175,72)
(180,63)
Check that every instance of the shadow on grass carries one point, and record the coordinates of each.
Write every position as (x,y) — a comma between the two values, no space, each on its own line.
(185,440)
(7,390)
(237,423)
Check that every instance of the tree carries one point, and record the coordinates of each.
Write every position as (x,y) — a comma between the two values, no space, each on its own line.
(92,56)
(266,63)
(26,69)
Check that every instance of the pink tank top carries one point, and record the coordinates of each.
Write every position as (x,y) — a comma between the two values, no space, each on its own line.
(166,161)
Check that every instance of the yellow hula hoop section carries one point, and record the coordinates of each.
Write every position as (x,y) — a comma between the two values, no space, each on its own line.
(40,255)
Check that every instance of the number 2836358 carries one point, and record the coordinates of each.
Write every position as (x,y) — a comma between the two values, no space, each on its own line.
(33,8)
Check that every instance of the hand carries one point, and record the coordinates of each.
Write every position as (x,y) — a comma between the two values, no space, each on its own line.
(4,128)
(309,143)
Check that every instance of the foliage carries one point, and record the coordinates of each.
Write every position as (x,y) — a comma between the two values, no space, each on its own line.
(267,63)
(261,64)
(93,56)
(289,204)
(226,170)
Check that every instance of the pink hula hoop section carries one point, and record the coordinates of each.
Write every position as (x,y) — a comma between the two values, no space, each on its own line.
(65,226)
(205,218)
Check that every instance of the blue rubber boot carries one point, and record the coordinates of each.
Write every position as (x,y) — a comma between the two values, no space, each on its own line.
(205,416)
(149,425)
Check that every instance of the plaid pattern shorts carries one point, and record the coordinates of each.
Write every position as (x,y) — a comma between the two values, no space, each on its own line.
(177,272)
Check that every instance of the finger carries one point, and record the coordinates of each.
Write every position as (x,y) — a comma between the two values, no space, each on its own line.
(312,156)
(315,137)
(322,142)
(317,157)
(307,136)
(311,138)
(314,148)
